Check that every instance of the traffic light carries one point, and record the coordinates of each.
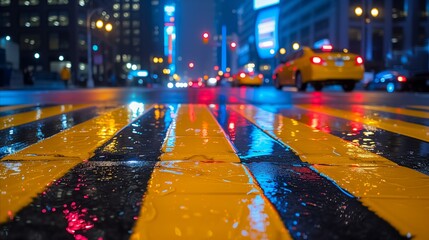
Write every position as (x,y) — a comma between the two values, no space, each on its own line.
(206,37)
(233,45)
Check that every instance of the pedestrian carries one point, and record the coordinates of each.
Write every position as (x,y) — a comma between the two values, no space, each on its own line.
(65,76)
(28,76)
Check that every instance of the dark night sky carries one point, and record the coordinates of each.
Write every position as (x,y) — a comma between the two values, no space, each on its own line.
(195,17)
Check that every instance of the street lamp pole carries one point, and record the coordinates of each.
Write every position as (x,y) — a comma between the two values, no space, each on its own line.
(90,82)
(366,13)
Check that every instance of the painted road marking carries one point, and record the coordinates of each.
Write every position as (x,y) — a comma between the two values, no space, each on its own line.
(401,111)
(112,183)
(81,141)
(381,187)
(196,135)
(18,138)
(222,195)
(404,128)
(24,180)
(23,118)
(307,202)
(66,149)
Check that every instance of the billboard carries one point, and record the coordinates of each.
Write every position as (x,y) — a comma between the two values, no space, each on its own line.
(258,4)
(267,32)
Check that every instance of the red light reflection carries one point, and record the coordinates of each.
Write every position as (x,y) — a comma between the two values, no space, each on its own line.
(319,122)
(76,219)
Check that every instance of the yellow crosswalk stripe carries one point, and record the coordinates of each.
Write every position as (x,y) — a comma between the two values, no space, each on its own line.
(196,135)
(401,111)
(404,128)
(9,108)
(420,107)
(397,194)
(54,156)
(25,180)
(27,117)
(209,187)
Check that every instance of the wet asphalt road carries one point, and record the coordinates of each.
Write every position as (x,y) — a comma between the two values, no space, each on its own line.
(217,163)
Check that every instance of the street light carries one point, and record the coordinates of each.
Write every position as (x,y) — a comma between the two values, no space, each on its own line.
(295,46)
(366,38)
(108,27)
(99,24)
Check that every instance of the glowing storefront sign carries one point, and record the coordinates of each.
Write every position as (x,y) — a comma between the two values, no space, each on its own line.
(258,4)
(267,32)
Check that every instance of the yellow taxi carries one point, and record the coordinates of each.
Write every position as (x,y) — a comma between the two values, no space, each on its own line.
(320,67)
(247,77)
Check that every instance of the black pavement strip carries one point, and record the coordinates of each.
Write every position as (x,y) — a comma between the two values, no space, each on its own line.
(96,199)
(310,205)
(138,141)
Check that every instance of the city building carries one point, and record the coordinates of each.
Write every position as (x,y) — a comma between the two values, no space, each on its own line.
(246,31)
(387,33)
(51,34)
(136,34)
(54,33)
(226,35)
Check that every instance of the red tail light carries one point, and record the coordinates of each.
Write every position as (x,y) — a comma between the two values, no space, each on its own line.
(242,75)
(402,79)
(260,76)
(190,83)
(359,60)
(327,48)
(317,60)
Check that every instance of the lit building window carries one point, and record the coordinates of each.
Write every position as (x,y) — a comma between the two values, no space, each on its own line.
(57,2)
(81,20)
(58,19)
(82,41)
(116,6)
(136,6)
(30,42)
(136,24)
(4,2)
(126,6)
(29,20)
(28,2)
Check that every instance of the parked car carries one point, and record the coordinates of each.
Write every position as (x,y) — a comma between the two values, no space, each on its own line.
(320,67)
(389,80)
(418,82)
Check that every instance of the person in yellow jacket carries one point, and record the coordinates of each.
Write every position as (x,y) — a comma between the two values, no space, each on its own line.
(65,75)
